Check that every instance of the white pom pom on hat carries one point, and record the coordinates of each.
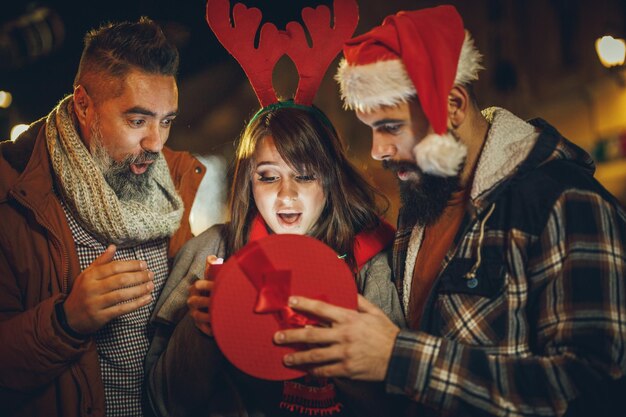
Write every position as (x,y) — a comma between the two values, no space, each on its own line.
(421,53)
(440,155)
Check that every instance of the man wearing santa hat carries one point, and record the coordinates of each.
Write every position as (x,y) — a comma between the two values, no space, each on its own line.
(509,255)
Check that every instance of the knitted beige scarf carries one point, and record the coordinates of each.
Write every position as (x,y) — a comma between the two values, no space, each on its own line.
(94,203)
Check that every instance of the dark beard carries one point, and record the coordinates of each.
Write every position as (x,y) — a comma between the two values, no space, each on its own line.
(423,201)
(129,186)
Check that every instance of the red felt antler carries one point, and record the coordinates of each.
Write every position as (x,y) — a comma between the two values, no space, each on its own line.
(312,62)
(258,63)
(238,39)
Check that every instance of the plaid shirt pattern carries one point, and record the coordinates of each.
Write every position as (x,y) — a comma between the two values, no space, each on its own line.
(123,343)
(545,320)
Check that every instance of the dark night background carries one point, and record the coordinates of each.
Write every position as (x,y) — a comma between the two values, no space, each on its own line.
(539,57)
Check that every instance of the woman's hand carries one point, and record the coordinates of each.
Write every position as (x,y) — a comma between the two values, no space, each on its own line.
(199,299)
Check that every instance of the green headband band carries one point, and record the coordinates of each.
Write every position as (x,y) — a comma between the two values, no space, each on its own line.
(292,105)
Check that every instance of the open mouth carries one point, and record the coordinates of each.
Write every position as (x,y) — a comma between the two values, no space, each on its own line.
(404,170)
(406,175)
(289,218)
(139,169)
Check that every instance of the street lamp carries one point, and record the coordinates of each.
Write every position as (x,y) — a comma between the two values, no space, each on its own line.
(612,53)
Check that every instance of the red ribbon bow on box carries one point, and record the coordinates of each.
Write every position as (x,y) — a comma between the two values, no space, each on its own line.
(273,286)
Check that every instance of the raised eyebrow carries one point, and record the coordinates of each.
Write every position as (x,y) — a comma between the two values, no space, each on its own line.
(140,110)
(146,112)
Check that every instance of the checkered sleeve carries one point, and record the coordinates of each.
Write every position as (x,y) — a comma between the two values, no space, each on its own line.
(576,313)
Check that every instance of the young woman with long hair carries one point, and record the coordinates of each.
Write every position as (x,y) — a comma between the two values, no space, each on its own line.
(290,176)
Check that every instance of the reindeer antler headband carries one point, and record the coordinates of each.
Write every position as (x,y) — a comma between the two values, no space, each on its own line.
(258,62)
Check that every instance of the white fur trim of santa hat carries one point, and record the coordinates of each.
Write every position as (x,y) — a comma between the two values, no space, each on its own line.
(368,87)
(440,155)
(387,83)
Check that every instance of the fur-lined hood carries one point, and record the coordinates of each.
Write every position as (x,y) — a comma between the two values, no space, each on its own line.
(514,147)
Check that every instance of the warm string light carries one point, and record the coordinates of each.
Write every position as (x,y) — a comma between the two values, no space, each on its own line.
(611,51)
(18,130)
(5,99)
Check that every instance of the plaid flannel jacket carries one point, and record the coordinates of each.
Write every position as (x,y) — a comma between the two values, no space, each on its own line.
(541,327)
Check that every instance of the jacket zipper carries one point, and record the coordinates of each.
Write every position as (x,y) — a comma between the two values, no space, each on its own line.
(74,368)
(84,404)
(55,241)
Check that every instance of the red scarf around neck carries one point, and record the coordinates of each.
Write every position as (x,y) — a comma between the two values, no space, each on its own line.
(367,244)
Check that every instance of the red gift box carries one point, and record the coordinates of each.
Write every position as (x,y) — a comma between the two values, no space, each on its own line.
(249,300)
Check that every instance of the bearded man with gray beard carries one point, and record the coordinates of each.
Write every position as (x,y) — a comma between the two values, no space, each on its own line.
(93,210)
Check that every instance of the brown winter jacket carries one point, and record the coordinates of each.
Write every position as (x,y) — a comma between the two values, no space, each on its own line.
(44,371)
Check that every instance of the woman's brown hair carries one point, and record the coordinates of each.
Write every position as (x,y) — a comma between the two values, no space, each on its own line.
(309,145)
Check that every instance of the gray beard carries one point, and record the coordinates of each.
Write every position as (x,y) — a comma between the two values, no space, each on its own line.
(126,185)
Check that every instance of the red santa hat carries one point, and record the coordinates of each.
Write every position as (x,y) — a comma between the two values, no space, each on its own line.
(424,53)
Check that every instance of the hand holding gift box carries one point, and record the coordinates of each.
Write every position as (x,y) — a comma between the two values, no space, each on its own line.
(249,299)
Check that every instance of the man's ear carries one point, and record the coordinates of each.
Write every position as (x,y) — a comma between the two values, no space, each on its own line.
(82,102)
(458,105)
